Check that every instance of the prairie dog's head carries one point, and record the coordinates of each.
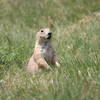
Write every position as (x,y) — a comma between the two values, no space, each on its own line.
(44,35)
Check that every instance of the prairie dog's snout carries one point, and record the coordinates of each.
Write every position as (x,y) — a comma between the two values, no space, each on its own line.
(49,35)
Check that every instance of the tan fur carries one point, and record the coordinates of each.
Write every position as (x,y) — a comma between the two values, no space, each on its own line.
(44,54)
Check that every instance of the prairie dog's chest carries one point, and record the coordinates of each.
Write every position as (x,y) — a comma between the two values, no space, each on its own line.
(47,51)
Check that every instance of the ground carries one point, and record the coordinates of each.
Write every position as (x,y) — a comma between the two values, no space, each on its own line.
(76,37)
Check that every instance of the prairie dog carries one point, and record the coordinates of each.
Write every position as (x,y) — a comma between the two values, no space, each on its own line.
(44,54)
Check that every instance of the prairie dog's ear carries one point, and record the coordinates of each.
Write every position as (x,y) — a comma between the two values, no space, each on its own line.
(37,34)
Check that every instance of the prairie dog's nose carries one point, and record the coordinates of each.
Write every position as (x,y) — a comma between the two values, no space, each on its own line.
(49,33)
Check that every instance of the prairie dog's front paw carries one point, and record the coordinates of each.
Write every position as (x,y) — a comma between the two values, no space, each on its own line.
(57,64)
(48,67)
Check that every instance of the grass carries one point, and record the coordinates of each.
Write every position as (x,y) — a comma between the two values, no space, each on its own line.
(76,25)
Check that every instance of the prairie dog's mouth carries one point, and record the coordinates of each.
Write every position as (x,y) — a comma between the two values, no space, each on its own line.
(49,37)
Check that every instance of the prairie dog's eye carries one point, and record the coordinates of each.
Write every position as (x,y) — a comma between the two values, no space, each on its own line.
(41,30)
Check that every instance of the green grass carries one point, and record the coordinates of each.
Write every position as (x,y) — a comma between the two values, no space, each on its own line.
(76,28)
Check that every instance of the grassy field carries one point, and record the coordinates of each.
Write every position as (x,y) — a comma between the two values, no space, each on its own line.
(76,37)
